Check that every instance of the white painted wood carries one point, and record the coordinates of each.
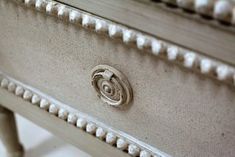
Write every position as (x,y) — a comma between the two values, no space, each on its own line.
(70,116)
(144,42)
(8,133)
(182,112)
(69,133)
(206,36)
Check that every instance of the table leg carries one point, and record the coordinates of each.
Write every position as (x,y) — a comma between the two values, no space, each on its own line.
(8,133)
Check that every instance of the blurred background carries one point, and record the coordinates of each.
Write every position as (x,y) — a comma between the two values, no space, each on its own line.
(41,143)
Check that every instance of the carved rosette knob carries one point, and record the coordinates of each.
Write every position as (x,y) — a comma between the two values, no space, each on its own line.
(111,85)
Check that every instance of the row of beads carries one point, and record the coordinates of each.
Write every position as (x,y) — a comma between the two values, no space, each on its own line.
(78,121)
(222,10)
(157,47)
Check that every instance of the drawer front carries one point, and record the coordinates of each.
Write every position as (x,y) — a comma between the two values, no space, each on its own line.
(173,109)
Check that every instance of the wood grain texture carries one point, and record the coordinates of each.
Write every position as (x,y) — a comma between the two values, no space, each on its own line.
(169,25)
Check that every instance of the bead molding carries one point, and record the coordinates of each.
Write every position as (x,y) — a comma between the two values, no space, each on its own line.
(186,58)
(219,10)
(88,124)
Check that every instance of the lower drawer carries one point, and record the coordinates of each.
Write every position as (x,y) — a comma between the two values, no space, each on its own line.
(175,110)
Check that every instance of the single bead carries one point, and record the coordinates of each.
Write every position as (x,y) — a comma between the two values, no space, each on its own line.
(172,53)
(223,10)
(39,4)
(122,144)
(27,95)
(90,128)
(44,104)
(63,114)
(128,36)
(189,59)
(222,72)
(114,31)
(110,138)
(142,42)
(62,11)
(11,87)
(205,66)
(157,47)
(133,150)
(19,91)
(53,109)
(87,21)
(100,133)
(51,7)
(101,26)
(81,123)
(74,16)
(4,83)
(144,153)
(72,118)
(35,99)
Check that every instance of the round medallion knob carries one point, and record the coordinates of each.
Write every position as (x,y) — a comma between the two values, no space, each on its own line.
(111,85)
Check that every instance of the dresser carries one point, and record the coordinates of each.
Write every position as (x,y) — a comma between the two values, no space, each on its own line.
(119,78)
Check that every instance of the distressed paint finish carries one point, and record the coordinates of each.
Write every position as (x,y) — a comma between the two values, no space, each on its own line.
(174,101)
(187,58)
(86,123)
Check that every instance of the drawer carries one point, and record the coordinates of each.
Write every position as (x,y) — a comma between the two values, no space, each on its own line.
(176,110)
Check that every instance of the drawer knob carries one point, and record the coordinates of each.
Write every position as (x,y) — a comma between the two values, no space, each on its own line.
(111,85)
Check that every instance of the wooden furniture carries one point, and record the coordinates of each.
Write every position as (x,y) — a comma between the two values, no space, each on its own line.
(121,77)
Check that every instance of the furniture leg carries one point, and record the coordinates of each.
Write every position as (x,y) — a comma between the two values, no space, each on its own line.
(8,133)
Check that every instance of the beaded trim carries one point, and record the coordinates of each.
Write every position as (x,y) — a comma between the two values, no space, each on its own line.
(143,42)
(90,125)
(220,10)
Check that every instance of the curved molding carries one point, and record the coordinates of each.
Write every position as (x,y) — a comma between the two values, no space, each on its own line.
(88,124)
(111,85)
(220,10)
(189,59)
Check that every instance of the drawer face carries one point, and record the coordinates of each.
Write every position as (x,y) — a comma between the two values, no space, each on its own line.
(177,111)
